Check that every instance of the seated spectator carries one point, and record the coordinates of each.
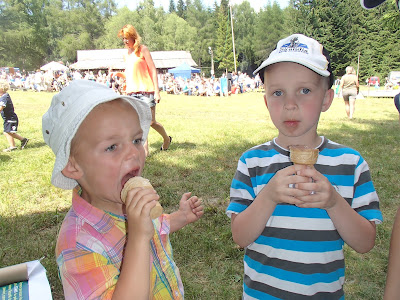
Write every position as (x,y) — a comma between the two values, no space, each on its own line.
(217,88)
(202,88)
(186,88)
(209,86)
(235,89)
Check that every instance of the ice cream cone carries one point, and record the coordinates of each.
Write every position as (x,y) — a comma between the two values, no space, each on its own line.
(302,155)
(138,181)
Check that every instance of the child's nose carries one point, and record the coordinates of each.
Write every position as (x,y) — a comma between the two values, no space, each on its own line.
(133,150)
(290,103)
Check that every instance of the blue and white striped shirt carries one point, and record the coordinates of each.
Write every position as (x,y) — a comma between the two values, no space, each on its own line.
(300,253)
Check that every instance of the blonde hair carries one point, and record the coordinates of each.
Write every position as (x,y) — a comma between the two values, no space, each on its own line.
(4,86)
(350,70)
(128,31)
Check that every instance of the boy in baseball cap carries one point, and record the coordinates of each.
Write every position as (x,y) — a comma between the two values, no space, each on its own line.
(293,219)
(97,137)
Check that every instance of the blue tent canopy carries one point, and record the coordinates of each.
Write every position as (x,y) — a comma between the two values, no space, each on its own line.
(184,70)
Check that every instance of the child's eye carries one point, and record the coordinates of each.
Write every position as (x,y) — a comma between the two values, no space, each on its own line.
(138,141)
(277,93)
(305,91)
(111,148)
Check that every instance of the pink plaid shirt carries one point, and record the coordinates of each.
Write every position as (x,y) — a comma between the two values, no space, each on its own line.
(89,254)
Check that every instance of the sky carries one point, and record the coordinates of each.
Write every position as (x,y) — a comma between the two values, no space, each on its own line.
(131,4)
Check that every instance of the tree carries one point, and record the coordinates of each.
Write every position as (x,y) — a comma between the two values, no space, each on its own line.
(270,27)
(199,17)
(177,34)
(24,33)
(223,43)
(150,25)
(244,24)
(171,8)
(378,51)
(181,9)
(33,32)
(83,26)
(113,25)
(334,23)
(391,16)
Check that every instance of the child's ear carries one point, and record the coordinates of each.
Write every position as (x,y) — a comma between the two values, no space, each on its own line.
(329,95)
(265,100)
(72,169)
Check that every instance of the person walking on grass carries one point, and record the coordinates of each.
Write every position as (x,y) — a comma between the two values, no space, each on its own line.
(10,118)
(141,78)
(293,220)
(349,86)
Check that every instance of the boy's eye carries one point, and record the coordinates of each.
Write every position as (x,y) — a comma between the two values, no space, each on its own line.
(305,91)
(111,148)
(277,93)
(138,141)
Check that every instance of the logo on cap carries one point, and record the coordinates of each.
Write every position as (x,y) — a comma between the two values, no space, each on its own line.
(294,46)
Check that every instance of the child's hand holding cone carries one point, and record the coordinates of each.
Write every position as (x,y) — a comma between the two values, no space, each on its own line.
(138,181)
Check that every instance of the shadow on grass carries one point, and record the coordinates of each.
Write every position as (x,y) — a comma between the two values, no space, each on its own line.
(35,144)
(31,145)
(155,148)
(4,158)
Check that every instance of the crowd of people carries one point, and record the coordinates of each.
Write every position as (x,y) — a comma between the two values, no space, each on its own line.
(197,85)
(37,81)
(49,81)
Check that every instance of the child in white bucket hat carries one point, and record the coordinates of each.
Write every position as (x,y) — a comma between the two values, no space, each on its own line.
(293,219)
(97,137)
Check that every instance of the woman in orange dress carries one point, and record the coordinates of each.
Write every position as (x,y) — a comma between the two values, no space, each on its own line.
(141,78)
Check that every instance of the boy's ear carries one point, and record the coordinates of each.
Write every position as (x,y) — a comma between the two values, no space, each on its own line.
(72,169)
(265,100)
(329,95)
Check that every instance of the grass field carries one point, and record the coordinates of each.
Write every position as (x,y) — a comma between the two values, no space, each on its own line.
(209,135)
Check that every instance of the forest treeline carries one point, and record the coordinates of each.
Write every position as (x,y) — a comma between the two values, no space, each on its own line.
(33,32)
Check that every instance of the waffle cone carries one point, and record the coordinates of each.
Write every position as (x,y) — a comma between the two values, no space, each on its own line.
(303,156)
(138,181)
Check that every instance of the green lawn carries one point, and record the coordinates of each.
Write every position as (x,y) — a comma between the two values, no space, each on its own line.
(209,135)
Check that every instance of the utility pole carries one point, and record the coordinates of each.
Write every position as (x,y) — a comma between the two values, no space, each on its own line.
(212,60)
(233,36)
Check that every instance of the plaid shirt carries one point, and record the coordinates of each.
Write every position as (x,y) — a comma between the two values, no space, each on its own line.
(89,253)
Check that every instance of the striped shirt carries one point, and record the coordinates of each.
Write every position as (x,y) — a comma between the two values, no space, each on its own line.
(299,254)
(90,249)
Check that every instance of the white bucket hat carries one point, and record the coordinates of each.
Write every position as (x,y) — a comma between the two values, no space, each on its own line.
(300,49)
(67,111)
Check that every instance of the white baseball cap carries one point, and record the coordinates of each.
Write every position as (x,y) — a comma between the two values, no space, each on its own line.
(368,4)
(67,111)
(300,49)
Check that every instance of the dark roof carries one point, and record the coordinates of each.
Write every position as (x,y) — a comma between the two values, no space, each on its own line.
(104,59)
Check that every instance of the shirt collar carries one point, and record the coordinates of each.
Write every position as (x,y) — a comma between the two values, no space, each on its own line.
(286,152)
(99,219)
